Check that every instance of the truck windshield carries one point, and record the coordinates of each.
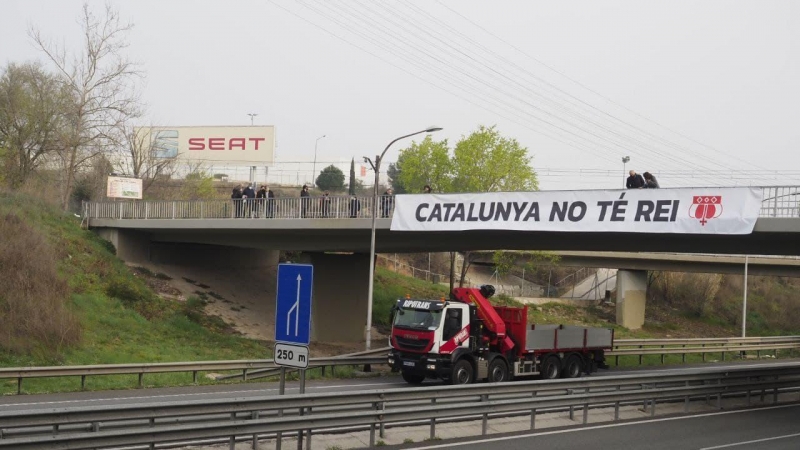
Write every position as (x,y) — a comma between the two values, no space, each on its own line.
(417,319)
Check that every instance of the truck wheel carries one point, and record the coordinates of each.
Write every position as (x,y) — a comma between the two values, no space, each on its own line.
(462,373)
(413,378)
(498,371)
(573,367)
(551,368)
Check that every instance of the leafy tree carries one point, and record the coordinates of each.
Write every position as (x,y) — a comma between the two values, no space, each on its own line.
(198,185)
(351,186)
(330,179)
(427,162)
(394,177)
(31,105)
(484,161)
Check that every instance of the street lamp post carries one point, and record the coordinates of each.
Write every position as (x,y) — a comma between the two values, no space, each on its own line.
(625,160)
(252,168)
(376,167)
(314,169)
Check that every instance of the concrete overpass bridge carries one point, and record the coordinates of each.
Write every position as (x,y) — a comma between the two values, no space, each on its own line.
(781,266)
(159,230)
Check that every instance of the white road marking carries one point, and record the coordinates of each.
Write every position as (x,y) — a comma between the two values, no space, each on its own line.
(599,427)
(111,399)
(736,444)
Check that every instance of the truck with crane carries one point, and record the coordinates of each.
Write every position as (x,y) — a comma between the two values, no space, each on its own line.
(467,339)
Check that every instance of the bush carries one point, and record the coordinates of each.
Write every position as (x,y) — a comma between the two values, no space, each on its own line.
(330,179)
(691,292)
(33,297)
(134,294)
(128,291)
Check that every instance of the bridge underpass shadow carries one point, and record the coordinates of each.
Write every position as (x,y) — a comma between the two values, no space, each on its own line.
(238,283)
(240,287)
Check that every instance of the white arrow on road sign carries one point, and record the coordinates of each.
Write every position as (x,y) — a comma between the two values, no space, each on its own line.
(296,309)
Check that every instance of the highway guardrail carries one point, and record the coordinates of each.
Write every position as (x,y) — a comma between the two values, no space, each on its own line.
(376,356)
(702,346)
(253,369)
(260,417)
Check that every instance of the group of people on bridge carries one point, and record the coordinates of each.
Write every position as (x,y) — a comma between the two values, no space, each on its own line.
(248,203)
(251,203)
(644,181)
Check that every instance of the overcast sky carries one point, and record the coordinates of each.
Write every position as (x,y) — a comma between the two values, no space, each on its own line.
(721,75)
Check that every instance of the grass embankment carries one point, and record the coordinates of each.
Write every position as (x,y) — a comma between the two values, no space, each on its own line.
(108,316)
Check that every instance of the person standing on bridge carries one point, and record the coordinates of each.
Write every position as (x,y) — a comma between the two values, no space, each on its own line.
(236,196)
(249,200)
(634,181)
(261,200)
(270,203)
(304,200)
(355,206)
(325,204)
(387,201)
(650,181)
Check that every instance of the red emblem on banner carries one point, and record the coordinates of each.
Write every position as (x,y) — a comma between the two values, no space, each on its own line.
(706,207)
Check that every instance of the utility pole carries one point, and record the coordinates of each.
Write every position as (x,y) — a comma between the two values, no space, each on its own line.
(744,301)
(314,169)
(252,168)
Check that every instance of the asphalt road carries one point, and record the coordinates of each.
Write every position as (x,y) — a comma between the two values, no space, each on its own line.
(221,391)
(773,428)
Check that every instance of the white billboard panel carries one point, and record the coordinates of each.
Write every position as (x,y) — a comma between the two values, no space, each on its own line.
(250,146)
(121,187)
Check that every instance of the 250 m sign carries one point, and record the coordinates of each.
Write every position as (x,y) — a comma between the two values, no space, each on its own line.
(291,355)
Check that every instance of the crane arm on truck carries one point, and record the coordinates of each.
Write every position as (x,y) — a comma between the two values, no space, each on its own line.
(491,319)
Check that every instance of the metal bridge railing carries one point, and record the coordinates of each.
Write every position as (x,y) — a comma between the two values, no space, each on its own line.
(338,207)
(778,201)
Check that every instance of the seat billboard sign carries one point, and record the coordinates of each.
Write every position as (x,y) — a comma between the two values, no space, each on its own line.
(243,145)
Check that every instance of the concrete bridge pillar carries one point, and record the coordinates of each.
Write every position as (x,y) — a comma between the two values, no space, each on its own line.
(631,298)
(339,311)
(131,246)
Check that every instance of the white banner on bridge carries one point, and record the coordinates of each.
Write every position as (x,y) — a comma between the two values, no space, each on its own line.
(685,210)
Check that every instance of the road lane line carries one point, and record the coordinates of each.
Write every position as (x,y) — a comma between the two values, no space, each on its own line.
(599,427)
(736,444)
(111,399)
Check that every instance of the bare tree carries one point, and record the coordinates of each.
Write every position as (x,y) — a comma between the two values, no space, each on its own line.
(101,82)
(31,102)
(141,156)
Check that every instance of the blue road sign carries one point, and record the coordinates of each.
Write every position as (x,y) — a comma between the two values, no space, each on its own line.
(293,310)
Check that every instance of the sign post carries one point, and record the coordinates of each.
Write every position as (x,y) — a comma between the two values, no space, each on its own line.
(293,326)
